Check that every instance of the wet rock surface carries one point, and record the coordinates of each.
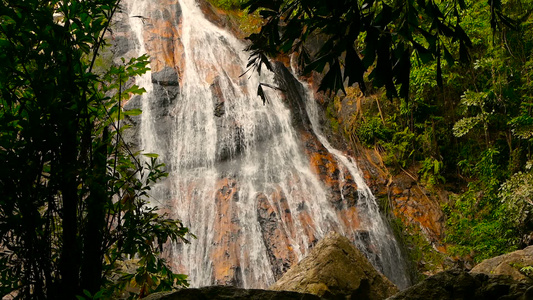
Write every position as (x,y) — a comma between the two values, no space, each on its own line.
(280,255)
(162,31)
(227,239)
(166,77)
(410,201)
(162,43)
(335,268)
(344,194)
(415,205)
(293,92)
(220,18)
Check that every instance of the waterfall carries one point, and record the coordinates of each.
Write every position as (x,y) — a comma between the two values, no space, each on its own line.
(380,233)
(241,175)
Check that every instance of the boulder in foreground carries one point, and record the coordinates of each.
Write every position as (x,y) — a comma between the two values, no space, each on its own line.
(458,284)
(335,267)
(508,264)
(229,292)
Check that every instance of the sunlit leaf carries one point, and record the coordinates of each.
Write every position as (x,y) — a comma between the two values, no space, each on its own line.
(132,112)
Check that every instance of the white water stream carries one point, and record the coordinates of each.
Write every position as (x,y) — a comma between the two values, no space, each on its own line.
(223,141)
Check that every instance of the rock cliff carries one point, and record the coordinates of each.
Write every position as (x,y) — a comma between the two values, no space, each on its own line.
(225,254)
(460,285)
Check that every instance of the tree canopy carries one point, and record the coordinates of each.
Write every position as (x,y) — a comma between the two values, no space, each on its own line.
(357,37)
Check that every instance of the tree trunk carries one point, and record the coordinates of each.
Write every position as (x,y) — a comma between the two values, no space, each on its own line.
(69,190)
(91,269)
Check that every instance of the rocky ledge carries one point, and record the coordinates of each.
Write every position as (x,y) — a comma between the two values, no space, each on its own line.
(460,285)
(230,292)
(336,270)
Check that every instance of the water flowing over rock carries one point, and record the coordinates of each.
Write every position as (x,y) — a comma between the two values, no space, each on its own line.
(335,267)
(411,202)
(256,183)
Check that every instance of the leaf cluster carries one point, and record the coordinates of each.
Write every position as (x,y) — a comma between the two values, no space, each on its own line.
(470,133)
(357,37)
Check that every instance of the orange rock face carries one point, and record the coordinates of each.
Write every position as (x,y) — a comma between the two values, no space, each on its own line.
(162,36)
(271,216)
(227,238)
(219,17)
(339,180)
(415,205)
(410,201)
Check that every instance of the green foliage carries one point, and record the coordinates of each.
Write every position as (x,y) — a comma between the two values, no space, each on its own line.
(472,99)
(480,235)
(492,215)
(139,233)
(228,4)
(418,249)
(87,295)
(380,37)
(516,195)
(400,150)
(371,130)
(527,270)
(331,114)
(234,11)
(430,172)
(472,132)
(74,197)
(478,222)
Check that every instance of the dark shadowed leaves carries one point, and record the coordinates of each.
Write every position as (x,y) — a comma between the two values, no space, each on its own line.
(332,81)
(354,69)
(339,26)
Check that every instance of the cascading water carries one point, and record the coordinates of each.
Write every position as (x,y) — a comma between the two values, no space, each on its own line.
(240,177)
(380,233)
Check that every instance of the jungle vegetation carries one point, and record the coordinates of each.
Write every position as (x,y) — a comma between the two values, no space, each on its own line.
(454,79)
(452,96)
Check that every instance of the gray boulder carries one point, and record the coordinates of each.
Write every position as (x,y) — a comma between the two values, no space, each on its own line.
(335,268)
(509,264)
(458,284)
(166,77)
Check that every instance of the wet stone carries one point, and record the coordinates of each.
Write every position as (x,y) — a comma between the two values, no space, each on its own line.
(166,77)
